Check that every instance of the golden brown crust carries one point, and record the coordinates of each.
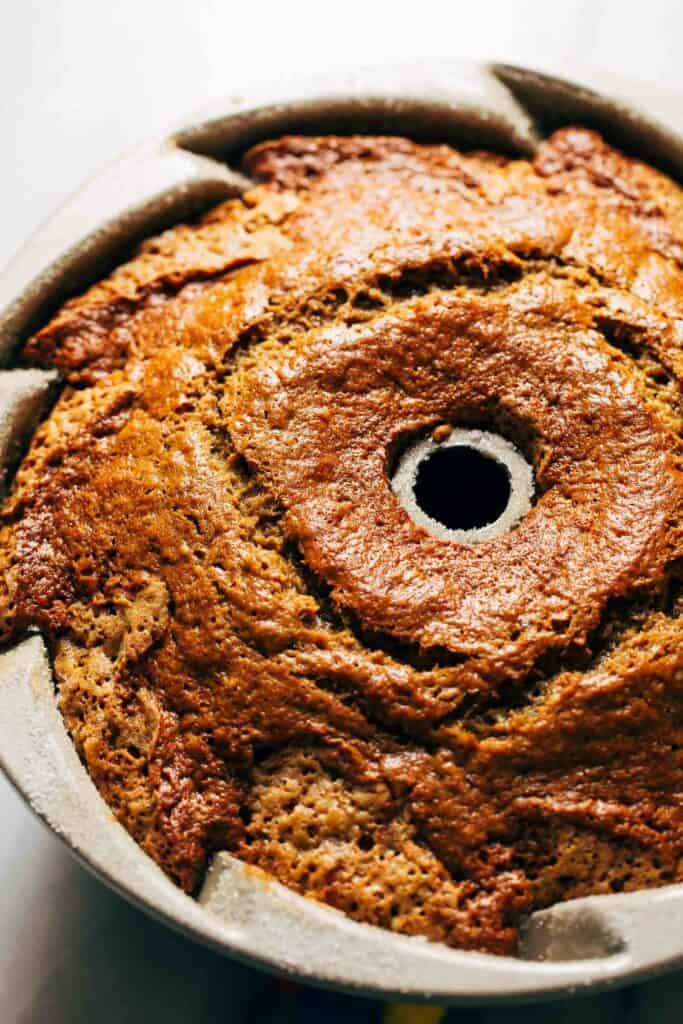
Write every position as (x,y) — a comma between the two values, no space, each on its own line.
(90,335)
(317,418)
(257,650)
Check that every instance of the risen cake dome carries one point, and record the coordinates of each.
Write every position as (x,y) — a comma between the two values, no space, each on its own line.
(262,645)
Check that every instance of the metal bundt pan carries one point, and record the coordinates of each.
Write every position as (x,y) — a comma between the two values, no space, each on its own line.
(582,945)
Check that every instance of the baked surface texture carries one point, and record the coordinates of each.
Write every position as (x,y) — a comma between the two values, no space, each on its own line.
(257,650)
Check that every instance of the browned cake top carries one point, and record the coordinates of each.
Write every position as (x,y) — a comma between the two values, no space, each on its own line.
(257,649)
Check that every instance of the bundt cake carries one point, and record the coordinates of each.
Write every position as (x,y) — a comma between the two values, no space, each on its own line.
(355,532)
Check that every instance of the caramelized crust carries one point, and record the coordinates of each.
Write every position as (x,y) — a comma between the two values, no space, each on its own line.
(255,649)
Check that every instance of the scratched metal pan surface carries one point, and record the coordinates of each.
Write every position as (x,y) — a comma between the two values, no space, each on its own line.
(582,945)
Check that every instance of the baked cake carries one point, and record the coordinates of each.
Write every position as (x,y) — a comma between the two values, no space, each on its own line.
(258,647)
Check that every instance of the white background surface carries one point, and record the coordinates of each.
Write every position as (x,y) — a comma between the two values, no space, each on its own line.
(79,81)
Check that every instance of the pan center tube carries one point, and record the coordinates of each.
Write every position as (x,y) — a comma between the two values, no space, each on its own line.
(469,487)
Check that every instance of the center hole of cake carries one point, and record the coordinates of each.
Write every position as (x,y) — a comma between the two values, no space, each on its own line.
(469,486)
(461,487)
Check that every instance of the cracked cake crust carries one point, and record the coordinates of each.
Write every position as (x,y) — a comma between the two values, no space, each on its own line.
(256,650)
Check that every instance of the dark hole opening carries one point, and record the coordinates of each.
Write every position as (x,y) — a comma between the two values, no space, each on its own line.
(461,487)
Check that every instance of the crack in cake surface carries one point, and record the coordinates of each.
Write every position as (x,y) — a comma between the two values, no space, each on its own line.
(229,679)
